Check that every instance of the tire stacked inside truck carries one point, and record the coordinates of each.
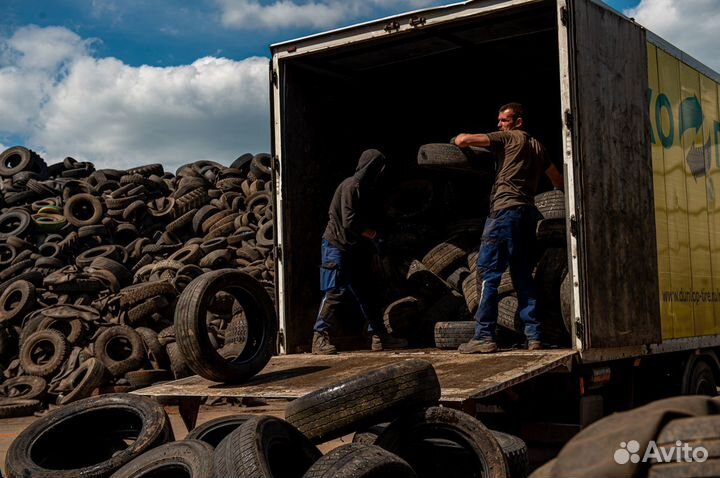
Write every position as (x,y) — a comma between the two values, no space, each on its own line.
(94,262)
(439,285)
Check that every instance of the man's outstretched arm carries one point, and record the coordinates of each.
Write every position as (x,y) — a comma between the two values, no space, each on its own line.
(464,140)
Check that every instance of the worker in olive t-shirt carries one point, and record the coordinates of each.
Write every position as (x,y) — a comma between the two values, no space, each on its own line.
(509,234)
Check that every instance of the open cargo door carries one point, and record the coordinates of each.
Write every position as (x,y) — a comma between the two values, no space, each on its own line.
(612,166)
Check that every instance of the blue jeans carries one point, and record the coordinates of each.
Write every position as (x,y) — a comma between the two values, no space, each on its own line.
(336,283)
(508,240)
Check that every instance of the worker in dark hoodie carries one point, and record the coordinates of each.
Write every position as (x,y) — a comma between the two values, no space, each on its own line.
(350,217)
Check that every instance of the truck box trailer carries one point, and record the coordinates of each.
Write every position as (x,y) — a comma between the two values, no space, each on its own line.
(632,121)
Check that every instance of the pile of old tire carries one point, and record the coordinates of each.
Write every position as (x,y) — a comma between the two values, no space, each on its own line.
(444,287)
(129,436)
(94,262)
(421,439)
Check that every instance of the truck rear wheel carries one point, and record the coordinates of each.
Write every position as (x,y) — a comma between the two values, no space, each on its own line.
(699,377)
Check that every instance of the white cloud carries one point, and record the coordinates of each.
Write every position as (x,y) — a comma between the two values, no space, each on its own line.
(68,103)
(251,14)
(691,25)
(31,61)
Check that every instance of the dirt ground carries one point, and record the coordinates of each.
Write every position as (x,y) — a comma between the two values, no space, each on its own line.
(11,427)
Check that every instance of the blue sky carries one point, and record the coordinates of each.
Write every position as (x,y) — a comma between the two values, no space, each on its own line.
(122,82)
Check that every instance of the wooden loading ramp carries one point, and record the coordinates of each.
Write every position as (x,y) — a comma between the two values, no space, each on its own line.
(462,378)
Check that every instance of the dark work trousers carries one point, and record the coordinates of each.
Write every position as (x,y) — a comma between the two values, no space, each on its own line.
(336,281)
(508,240)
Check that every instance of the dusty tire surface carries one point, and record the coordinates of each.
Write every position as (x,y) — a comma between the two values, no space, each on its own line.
(701,431)
(120,349)
(83,380)
(18,407)
(214,431)
(86,438)
(449,335)
(406,436)
(363,400)
(356,460)
(194,458)
(265,447)
(551,204)
(192,334)
(43,353)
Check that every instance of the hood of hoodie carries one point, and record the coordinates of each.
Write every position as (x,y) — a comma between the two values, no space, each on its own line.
(370,166)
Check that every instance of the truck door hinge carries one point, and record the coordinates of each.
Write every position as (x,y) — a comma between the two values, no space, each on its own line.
(391,27)
(573,226)
(278,253)
(417,21)
(564,16)
(569,118)
(274,78)
(579,329)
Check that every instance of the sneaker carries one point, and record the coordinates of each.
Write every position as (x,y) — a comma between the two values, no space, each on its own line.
(387,342)
(475,346)
(321,344)
(535,345)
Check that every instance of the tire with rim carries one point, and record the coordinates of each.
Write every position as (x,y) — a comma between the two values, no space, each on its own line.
(192,332)
(186,458)
(265,447)
(406,436)
(89,438)
(357,460)
(365,399)
(699,377)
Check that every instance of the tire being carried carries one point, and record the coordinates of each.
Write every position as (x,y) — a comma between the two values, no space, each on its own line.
(364,400)
(192,333)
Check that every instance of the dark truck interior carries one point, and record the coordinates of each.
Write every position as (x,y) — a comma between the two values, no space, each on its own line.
(396,94)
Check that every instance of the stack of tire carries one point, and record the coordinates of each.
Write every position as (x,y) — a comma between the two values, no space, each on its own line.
(90,437)
(549,273)
(93,264)
(443,284)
